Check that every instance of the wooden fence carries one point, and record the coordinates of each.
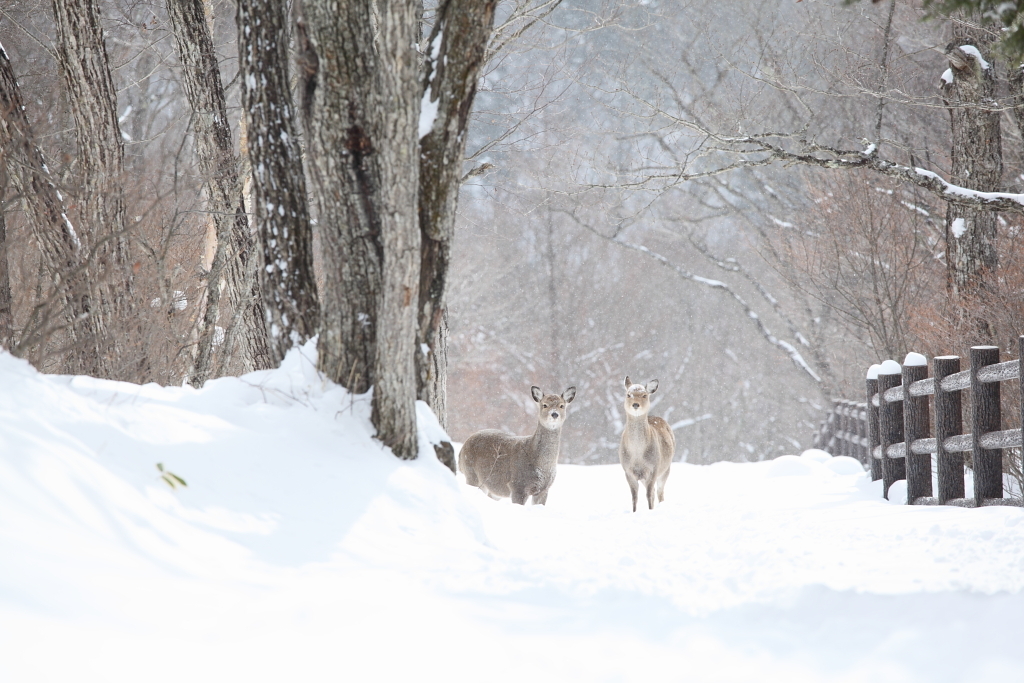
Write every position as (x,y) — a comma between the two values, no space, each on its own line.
(892,432)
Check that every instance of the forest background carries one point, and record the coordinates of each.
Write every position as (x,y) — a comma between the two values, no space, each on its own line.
(720,194)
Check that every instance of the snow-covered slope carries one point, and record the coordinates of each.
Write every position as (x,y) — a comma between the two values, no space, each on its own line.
(302,551)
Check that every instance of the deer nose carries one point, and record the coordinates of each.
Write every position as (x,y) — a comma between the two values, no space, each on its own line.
(636,405)
(554,415)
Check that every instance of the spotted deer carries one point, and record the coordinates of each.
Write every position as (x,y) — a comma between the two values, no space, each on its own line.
(647,444)
(504,466)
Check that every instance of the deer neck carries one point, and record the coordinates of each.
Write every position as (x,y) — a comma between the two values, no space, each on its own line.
(637,430)
(545,442)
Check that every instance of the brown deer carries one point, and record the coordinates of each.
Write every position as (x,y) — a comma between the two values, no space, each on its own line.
(647,446)
(504,466)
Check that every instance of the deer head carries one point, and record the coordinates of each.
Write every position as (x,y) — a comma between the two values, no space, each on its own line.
(638,400)
(551,408)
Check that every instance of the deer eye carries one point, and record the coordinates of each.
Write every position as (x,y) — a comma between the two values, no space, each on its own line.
(545,405)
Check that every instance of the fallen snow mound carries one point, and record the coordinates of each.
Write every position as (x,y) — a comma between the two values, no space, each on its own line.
(301,549)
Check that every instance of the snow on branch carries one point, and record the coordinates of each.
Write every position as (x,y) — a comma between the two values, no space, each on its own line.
(831,157)
(765,149)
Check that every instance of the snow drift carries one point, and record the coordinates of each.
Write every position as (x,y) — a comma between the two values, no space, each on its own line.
(302,550)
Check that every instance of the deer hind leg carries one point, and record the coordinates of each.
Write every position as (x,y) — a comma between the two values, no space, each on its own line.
(519,495)
(541,498)
(470,473)
(661,487)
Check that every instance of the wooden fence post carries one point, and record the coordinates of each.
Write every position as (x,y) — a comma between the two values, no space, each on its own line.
(948,422)
(890,420)
(874,438)
(862,434)
(985,417)
(844,426)
(916,425)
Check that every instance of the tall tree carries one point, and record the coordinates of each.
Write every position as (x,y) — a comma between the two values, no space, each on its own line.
(62,256)
(279,182)
(977,163)
(6,321)
(456,52)
(362,87)
(82,60)
(232,272)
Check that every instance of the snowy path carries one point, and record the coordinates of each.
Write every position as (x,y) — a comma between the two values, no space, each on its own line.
(302,552)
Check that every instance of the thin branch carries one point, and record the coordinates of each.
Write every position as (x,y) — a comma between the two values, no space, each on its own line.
(788,348)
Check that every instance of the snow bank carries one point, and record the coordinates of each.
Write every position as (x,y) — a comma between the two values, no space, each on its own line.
(303,550)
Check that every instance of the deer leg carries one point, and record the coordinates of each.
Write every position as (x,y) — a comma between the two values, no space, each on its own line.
(661,487)
(541,498)
(519,496)
(633,486)
(649,487)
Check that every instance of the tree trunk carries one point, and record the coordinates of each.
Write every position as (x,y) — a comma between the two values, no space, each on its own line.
(231,270)
(279,182)
(361,105)
(976,158)
(82,60)
(455,52)
(6,321)
(62,258)
(335,43)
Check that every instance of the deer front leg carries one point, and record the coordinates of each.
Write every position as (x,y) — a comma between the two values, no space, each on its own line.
(541,498)
(650,487)
(634,485)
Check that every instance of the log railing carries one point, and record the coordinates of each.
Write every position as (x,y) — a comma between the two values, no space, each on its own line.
(893,432)
(845,431)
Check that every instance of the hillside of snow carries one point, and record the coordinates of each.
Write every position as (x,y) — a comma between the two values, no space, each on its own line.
(301,550)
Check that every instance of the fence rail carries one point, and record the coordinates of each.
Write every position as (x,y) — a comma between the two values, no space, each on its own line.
(892,434)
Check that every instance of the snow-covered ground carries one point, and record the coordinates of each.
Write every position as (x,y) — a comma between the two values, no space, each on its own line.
(301,551)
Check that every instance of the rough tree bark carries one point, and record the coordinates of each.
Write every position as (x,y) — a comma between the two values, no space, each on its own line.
(455,53)
(336,78)
(231,274)
(82,61)
(6,322)
(976,157)
(62,258)
(362,90)
(279,182)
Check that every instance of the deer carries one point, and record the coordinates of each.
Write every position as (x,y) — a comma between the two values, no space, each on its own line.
(647,445)
(518,467)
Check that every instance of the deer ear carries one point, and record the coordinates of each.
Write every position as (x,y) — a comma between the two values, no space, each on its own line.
(652,386)
(536,393)
(628,383)
(569,394)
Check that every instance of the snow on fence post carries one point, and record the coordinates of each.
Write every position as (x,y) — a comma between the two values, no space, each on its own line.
(948,422)
(874,438)
(985,417)
(916,425)
(890,418)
